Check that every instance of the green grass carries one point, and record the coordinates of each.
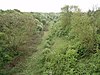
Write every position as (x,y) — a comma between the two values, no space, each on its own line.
(28,65)
(59,43)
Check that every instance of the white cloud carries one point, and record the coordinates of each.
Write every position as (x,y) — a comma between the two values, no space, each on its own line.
(46,5)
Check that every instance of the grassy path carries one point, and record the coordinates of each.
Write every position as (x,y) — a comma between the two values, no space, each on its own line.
(27,67)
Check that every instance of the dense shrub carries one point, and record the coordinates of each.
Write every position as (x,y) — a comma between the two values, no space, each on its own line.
(75,48)
(16,30)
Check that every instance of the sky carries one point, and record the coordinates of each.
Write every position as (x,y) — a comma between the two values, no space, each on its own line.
(47,5)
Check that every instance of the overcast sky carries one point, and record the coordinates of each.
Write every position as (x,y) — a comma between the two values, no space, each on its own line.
(46,5)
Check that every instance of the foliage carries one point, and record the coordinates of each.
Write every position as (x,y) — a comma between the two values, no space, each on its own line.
(16,29)
(70,45)
(75,48)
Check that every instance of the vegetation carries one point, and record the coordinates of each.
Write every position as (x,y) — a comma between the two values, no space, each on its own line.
(73,47)
(66,43)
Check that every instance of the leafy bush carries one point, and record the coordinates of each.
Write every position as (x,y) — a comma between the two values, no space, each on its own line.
(16,29)
(79,54)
